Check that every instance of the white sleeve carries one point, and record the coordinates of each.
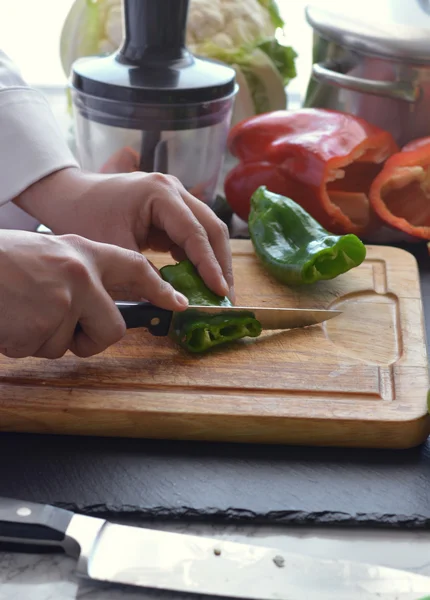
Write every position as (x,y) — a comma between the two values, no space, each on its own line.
(31,143)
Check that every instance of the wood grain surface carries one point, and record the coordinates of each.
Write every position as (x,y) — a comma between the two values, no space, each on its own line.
(359,380)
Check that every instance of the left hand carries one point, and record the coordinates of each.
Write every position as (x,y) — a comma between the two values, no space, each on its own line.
(137,211)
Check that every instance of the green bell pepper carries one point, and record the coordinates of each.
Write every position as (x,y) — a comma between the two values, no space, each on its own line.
(293,246)
(198,332)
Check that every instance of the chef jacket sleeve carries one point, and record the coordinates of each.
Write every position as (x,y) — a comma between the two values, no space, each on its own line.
(31,143)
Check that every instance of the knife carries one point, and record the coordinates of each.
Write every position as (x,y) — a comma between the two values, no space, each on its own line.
(158,320)
(192,564)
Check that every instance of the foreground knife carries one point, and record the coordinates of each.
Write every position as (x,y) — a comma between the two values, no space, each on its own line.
(158,320)
(194,564)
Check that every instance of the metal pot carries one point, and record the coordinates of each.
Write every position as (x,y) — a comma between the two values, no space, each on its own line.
(380,72)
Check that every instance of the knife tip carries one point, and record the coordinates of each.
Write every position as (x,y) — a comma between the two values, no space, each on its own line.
(331,314)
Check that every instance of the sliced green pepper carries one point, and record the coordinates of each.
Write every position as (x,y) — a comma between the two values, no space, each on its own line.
(293,246)
(198,332)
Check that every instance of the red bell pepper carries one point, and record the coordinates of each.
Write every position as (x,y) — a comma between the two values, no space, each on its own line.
(323,159)
(400,194)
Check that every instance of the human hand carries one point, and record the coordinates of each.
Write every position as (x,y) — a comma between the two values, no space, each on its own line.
(137,211)
(48,284)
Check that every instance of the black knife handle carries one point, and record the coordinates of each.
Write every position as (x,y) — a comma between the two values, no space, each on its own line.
(39,525)
(144,314)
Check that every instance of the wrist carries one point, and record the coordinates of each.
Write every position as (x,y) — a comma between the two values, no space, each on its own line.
(74,201)
(50,198)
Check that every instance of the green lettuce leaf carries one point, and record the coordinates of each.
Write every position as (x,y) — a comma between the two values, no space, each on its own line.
(264,80)
(82,28)
(258,91)
(273,10)
(283,58)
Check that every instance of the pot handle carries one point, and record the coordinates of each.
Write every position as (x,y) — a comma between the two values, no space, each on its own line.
(397,90)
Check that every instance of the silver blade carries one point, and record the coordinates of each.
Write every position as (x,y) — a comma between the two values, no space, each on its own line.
(193,564)
(275,318)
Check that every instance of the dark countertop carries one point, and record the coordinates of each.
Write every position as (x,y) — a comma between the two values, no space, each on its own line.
(162,479)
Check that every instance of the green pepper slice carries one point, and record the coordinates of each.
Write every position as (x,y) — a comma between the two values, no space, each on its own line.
(199,332)
(293,246)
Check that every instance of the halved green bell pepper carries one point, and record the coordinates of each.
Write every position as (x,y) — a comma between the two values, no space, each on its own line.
(293,246)
(198,332)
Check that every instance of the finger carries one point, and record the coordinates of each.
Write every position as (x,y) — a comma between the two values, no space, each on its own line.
(25,339)
(184,229)
(218,235)
(120,268)
(58,344)
(159,241)
(125,292)
(178,253)
(24,351)
(101,324)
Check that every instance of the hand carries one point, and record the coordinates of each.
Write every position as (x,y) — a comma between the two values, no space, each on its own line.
(48,284)
(137,211)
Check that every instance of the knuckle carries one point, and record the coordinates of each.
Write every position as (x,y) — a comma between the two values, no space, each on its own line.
(74,240)
(175,181)
(75,268)
(221,229)
(200,235)
(140,263)
(193,225)
(164,288)
(61,301)
(163,180)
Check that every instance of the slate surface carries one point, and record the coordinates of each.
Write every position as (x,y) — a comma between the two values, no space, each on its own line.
(158,479)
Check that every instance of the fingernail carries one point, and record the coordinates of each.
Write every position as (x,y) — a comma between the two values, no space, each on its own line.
(232,294)
(225,286)
(181,299)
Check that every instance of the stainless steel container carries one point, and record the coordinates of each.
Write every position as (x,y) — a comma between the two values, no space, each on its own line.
(378,71)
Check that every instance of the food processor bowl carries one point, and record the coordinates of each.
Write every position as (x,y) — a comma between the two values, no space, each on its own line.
(152,105)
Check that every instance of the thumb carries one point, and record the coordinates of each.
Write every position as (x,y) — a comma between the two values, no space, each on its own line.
(121,268)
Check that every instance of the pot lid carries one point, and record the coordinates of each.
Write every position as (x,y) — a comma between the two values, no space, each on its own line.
(388,39)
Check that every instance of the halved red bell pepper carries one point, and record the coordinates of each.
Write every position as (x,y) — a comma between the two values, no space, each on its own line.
(324,160)
(400,194)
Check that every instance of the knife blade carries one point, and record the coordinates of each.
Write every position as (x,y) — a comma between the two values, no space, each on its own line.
(199,565)
(158,320)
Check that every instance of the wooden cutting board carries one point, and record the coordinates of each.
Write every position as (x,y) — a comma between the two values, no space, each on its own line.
(359,380)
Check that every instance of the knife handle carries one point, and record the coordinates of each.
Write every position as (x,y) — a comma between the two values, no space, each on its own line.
(144,314)
(39,525)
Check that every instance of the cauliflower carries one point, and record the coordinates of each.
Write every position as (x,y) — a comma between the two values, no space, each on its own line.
(241,33)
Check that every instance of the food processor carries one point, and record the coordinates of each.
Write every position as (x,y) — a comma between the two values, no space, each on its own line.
(155,99)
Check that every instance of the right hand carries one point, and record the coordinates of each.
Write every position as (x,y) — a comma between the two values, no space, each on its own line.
(50,283)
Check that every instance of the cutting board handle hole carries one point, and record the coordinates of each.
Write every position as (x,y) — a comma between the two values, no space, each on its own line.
(370,321)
